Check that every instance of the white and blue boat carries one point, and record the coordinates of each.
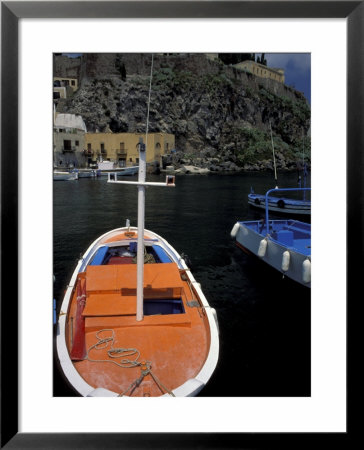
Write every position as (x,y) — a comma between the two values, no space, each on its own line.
(284,244)
(64,176)
(86,173)
(283,204)
(120,171)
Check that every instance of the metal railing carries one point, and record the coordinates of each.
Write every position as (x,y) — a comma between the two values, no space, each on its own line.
(68,149)
(277,190)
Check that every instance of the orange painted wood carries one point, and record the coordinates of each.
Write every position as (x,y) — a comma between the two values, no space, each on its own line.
(176,345)
(114,277)
(110,305)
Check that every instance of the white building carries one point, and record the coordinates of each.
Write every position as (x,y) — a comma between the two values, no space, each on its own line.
(69,141)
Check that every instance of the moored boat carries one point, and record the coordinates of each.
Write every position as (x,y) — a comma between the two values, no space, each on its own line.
(87,173)
(283,205)
(283,244)
(120,171)
(105,351)
(64,176)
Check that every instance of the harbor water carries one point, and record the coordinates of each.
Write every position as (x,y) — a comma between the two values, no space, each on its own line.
(264,318)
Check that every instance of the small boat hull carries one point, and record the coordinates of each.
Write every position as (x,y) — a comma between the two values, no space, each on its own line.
(65,176)
(87,173)
(128,171)
(177,340)
(287,247)
(281,205)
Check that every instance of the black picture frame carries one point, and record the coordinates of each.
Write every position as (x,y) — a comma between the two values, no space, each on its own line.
(11,12)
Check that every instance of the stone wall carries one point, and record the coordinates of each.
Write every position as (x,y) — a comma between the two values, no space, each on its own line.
(66,67)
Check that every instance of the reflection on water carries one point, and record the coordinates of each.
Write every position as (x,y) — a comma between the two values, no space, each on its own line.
(264,319)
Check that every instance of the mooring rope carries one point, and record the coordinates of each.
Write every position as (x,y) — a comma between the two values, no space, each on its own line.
(126,363)
(103,342)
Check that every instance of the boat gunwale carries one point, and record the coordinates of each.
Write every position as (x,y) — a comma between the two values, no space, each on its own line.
(271,238)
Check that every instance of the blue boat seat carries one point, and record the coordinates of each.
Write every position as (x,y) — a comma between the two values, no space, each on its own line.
(161,254)
(285,237)
(299,231)
(99,257)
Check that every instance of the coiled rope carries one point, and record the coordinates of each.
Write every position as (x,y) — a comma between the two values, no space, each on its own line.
(103,342)
(126,363)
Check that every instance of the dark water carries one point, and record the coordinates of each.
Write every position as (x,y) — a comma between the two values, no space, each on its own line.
(264,319)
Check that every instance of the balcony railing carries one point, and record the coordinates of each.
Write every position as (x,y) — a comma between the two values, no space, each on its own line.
(68,149)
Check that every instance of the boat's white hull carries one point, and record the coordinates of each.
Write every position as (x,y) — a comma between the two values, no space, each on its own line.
(87,173)
(250,240)
(121,171)
(192,386)
(65,176)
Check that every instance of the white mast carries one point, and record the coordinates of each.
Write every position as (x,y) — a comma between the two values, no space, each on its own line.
(141,216)
(274,157)
(141,209)
(141,183)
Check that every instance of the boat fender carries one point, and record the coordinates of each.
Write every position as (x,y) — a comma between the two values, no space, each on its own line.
(285,260)
(306,271)
(234,231)
(262,248)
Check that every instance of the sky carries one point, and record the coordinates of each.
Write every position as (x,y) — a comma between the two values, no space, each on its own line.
(297,69)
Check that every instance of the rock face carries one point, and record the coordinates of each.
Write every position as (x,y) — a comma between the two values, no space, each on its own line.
(221,116)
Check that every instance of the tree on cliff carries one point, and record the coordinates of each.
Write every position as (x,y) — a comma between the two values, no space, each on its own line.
(262,60)
(120,67)
(235,58)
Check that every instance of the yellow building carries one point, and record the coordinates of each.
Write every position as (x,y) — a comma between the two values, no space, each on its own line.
(63,82)
(64,87)
(123,149)
(261,71)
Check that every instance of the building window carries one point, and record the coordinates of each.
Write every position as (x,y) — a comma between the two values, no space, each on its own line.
(122,146)
(77,143)
(102,146)
(67,145)
(88,146)
(131,159)
(73,83)
(56,95)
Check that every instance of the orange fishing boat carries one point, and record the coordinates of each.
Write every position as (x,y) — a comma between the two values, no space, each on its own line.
(105,351)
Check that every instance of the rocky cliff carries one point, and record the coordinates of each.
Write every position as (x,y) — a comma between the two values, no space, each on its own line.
(220,115)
